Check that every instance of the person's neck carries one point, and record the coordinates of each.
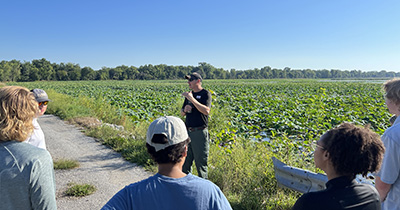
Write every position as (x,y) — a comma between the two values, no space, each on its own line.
(331,172)
(171,170)
(197,89)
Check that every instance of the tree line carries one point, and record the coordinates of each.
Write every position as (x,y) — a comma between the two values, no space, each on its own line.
(42,69)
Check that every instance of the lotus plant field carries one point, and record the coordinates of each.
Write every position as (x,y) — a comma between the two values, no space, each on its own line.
(256,109)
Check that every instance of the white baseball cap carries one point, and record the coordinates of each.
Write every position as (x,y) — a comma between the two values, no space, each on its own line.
(172,127)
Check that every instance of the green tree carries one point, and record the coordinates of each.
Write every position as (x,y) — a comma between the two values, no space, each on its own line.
(73,70)
(34,74)
(5,71)
(131,72)
(25,72)
(102,74)
(46,71)
(15,70)
(87,73)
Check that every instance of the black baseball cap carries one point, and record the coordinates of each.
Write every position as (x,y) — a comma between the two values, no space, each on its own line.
(194,76)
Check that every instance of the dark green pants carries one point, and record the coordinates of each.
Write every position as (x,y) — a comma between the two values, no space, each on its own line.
(198,151)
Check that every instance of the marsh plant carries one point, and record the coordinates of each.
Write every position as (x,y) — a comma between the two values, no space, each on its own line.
(251,121)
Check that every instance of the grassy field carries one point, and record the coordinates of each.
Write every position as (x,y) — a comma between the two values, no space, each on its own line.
(250,122)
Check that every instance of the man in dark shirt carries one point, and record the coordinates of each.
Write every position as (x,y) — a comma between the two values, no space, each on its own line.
(196,108)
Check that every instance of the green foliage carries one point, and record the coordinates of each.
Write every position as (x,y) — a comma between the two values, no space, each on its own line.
(245,173)
(63,164)
(250,121)
(80,190)
(40,70)
(132,147)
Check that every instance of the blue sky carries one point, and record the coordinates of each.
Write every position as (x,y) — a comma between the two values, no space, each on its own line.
(300,34)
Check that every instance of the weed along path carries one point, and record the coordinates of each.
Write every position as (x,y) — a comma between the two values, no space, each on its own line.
(99,165)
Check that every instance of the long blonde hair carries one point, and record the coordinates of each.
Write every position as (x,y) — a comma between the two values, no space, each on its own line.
(18,107)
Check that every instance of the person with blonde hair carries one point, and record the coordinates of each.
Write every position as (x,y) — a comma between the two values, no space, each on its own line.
(26,172)
(388,178)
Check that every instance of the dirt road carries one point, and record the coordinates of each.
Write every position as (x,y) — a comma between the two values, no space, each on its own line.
(99,165)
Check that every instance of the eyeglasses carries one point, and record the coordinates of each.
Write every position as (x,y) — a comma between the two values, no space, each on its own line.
(191,79)
(314,146)
(43,103)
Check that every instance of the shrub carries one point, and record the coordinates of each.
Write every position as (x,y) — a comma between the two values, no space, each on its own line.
(63,164)
(79,190)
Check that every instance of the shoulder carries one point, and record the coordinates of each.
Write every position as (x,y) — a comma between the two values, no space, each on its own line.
(313,200)
(371,189)
(202,184)
(392,133)
(25,155)
(303,202)
(141,185)
(26,152)
(205,92)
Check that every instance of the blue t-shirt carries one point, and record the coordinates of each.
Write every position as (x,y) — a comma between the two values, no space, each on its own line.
(162,192)
(390,169)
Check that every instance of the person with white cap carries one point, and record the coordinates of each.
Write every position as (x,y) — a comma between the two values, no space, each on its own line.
(37,138)
(167,143)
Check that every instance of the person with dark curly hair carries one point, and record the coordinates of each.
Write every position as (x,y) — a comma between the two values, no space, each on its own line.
(388,178)
(171,188)
(344,152)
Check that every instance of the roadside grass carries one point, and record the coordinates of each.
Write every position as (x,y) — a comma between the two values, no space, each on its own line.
(80,190)
(63,164)
(242,168)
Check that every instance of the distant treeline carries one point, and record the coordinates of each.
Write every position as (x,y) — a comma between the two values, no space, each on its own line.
(43,69)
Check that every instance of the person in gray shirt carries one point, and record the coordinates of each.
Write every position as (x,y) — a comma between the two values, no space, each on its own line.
(26,172)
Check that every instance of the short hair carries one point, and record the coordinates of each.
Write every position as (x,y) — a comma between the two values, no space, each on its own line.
(392,119)
(354,150)
(18,108)
(171,154)
(392,89)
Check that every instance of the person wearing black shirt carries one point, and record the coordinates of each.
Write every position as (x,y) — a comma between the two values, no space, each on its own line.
(342,153)
(196,108)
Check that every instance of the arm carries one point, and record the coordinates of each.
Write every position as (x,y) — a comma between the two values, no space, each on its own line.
(382,188)
(201,107)
(183,113)
(204,109)
(43,186)
(184,107)
(121,200)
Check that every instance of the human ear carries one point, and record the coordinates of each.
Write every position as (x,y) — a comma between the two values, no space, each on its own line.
(326,155)
(185,151)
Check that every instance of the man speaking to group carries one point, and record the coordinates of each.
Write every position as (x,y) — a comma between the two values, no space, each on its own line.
(196,108)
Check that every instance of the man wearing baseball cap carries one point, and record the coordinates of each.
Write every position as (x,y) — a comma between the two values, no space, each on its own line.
(37,138)
(196,108)
(167,142)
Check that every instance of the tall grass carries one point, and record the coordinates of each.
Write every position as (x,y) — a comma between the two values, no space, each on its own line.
(242,168)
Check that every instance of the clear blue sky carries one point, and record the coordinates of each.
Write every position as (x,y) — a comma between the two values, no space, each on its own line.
(246,34)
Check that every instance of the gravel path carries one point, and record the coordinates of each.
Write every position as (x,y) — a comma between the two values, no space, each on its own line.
(99,165)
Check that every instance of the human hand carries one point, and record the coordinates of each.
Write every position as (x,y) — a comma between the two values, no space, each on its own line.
(187,109)
(188,95)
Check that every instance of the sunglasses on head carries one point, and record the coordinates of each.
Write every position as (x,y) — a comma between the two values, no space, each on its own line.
(43,103)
